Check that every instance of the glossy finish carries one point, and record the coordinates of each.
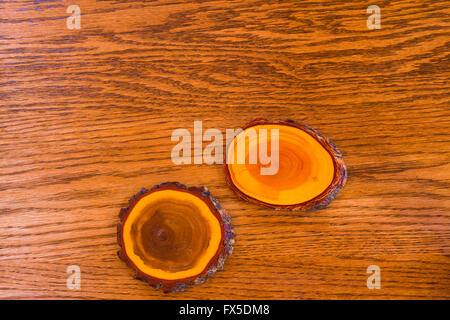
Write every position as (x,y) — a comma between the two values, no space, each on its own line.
(86,118)
(174,236)
(310,172)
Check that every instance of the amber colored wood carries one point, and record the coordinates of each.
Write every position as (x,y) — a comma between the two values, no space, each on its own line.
(293,174)
(86,117)
(172,240)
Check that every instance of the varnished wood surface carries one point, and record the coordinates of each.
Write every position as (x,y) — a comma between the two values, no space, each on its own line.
(86,117)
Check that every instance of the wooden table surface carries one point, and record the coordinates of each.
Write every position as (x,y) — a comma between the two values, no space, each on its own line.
(86,118)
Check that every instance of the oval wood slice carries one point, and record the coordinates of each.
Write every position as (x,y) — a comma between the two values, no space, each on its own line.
(307,174)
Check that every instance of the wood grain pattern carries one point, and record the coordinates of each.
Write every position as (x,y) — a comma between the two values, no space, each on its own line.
(86,117)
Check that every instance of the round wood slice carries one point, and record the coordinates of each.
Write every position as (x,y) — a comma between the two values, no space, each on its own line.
(174,236)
